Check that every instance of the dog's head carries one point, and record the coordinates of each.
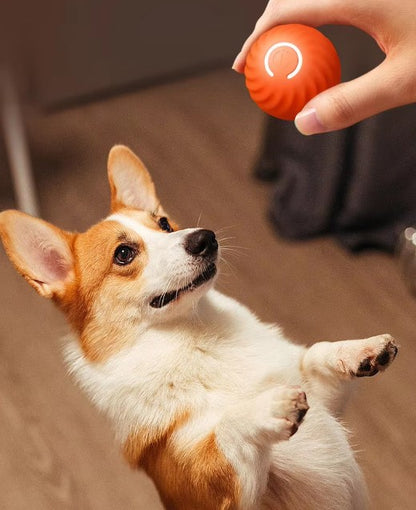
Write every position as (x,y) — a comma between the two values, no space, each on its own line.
(131,270)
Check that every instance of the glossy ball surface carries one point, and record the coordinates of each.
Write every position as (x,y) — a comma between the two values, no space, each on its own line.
(289,65)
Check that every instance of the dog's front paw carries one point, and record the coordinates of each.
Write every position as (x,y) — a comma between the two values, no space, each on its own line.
(366,358)
(285,410)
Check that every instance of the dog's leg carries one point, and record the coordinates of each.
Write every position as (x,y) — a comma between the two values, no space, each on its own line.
(247,432)
(221,458)
(327,365)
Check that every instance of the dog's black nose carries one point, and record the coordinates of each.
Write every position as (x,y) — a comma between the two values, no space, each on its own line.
(201,243)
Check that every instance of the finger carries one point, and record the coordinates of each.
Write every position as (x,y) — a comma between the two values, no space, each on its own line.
(240,60)
(341,106)
(307,12)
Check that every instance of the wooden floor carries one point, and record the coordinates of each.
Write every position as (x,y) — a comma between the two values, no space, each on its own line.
(199,137)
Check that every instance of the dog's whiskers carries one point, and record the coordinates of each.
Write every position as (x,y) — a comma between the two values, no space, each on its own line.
(222,239)
(222,229)
(229,266)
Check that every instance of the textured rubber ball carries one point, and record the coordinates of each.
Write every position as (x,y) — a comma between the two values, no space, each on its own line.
(287,66)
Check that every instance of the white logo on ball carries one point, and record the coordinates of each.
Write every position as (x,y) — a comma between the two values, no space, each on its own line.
(282,45)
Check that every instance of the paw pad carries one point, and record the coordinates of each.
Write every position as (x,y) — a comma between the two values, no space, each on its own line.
(301,410)
(373,364)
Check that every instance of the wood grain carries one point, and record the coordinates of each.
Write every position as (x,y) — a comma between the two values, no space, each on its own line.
(199,137)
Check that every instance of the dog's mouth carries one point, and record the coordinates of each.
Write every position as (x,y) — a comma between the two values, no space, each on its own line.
(164,299)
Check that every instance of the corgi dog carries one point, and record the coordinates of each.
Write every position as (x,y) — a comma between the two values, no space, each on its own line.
(221,410)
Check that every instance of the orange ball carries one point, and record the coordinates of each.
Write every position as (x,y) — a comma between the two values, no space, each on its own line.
(289,65)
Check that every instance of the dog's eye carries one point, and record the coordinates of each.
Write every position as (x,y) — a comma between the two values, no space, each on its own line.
(165,225)
(124,255)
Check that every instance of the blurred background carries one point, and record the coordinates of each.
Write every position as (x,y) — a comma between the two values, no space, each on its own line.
(77,77)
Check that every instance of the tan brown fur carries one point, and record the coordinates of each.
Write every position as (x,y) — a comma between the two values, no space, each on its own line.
(96,280)
(201,479)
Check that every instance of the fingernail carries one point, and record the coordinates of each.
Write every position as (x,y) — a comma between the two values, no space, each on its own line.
(308,123)
(234,67)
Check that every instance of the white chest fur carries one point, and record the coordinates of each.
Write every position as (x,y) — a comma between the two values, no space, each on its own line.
(218,356)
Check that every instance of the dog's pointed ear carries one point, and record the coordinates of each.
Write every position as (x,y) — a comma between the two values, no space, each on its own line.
(40,252)
(130,181)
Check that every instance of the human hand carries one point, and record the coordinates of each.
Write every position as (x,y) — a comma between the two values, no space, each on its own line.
(393,83)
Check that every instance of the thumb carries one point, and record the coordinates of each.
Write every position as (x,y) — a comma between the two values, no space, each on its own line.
(338,107)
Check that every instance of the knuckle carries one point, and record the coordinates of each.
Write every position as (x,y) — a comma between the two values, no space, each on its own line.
(342,110)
